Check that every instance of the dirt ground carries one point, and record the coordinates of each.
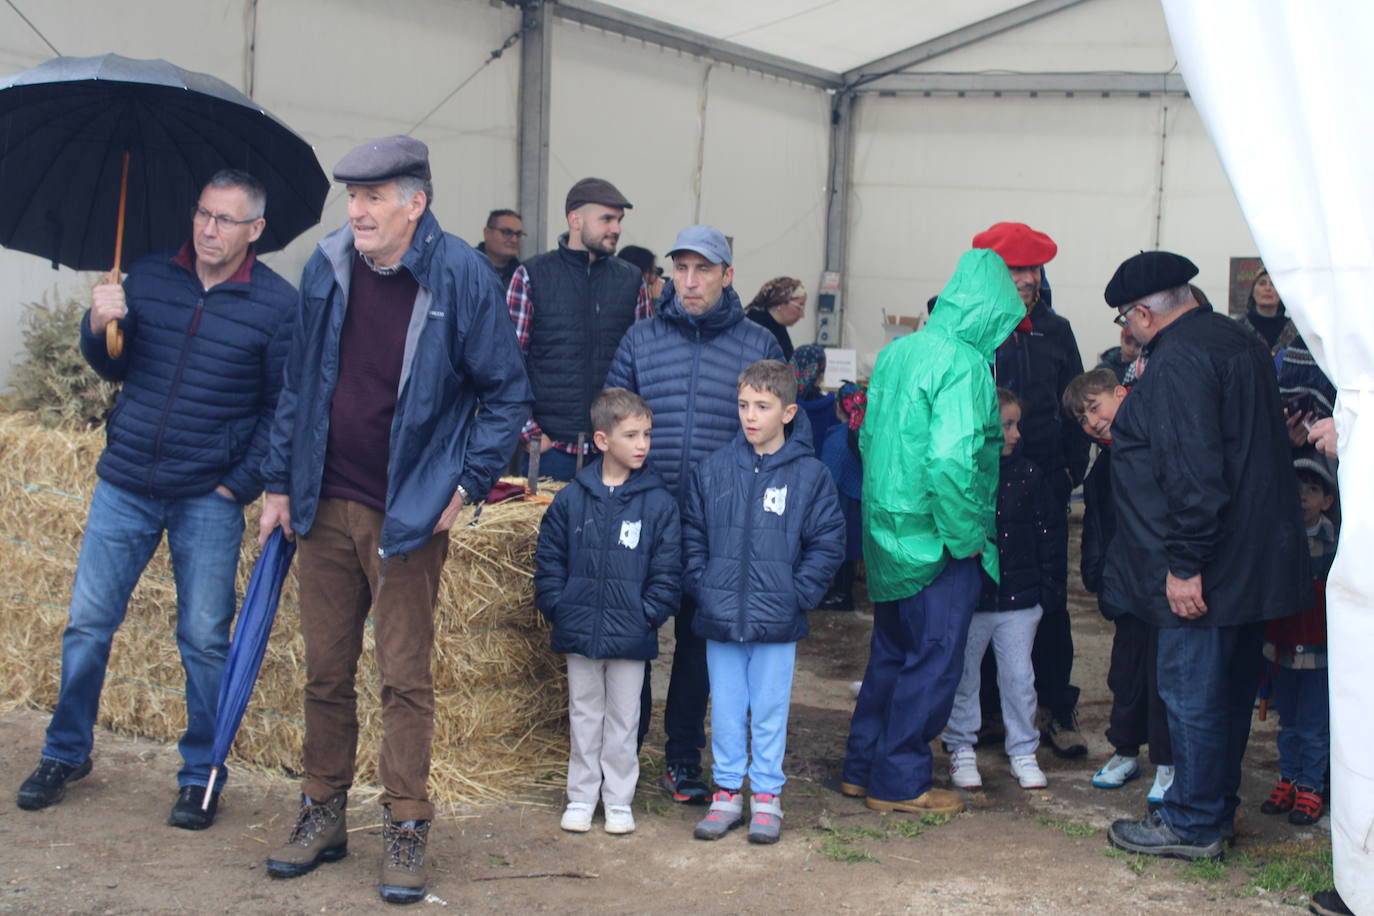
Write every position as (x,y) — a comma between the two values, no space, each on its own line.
(107,849)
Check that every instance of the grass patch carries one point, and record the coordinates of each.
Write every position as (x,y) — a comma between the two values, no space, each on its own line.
(840,849)
(904,827)
(1304,867)
(935,820)
(1072,828)
(1205,870)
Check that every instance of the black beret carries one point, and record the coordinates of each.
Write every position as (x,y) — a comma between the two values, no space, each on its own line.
(380,161)
(595,191)
(1146,273)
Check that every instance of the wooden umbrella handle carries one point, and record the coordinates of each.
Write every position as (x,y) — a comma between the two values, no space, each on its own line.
(114,337)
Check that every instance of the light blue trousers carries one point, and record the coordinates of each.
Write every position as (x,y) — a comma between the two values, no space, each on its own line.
(751,691)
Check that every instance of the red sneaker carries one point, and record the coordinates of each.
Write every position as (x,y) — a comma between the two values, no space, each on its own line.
(1281,799)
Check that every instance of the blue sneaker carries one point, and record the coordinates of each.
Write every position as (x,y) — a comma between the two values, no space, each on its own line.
(1164,778)
(1116,772)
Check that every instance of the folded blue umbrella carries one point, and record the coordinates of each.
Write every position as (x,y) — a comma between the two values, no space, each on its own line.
(251,630)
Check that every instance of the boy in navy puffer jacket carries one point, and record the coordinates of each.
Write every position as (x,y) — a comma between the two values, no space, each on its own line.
(609,568)
(762,536)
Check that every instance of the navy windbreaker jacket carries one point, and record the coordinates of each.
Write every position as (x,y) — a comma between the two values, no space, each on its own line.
(761,537)
(609,565)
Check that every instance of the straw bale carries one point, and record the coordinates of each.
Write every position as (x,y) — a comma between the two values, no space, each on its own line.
(500,694)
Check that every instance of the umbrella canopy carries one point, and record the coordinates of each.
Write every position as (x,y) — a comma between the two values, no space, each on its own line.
(66,124)
(251,630)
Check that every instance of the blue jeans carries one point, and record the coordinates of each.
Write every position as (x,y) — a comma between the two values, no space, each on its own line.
(1207,679)
(751,691)
(1304,725)
(914,664)
(123,530)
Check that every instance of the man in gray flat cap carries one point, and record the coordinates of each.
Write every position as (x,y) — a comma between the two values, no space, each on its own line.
(1209,539)
(402,397)
(571,306)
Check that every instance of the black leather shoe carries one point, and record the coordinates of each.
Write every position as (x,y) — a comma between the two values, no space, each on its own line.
(1153,837)
(187,813)
(48,783)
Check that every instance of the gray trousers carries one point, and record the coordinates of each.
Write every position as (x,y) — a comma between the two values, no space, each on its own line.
(603,712)
(1011,633)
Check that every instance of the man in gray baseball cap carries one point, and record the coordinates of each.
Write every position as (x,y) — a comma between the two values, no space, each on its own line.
(570,307)
(685,362)
(401,400)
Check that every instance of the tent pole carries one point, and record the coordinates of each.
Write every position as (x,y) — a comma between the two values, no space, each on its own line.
(536,47)
(837,212)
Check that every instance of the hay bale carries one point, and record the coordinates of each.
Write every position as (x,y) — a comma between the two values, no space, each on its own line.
(500,694)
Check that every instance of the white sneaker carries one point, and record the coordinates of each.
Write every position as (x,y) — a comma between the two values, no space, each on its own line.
(1027,772)
(1164,778)
(855,687)
(963,768)
(1116,772)
(577,817)
(619,819)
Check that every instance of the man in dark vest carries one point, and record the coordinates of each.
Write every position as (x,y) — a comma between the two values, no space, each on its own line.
(571,306)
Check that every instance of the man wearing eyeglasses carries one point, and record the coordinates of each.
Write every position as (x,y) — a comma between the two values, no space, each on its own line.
(501,243)
(206,330)
(571,306)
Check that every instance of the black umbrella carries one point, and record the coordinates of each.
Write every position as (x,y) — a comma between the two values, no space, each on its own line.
(80,134)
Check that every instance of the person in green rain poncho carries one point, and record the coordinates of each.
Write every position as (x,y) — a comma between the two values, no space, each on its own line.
(930,443)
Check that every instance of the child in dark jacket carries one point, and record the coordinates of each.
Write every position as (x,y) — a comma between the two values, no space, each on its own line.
(1138,715)
(609,567)
(1008,613)
(840,455)
(1297,648)
(762,535)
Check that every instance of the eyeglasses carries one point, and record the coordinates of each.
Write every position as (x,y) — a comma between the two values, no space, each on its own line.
(1121,320)
(223,222)
(509,233)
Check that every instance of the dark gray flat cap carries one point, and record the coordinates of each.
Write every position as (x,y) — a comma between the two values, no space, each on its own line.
(595,191)
(380,161)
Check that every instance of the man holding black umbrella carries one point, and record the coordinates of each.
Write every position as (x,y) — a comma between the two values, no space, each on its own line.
(402,398)
(206,330)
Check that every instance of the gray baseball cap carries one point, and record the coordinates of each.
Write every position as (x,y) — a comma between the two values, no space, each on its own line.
(705,241)
(380,161)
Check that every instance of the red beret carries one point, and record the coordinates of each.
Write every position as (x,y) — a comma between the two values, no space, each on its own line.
(1018,244)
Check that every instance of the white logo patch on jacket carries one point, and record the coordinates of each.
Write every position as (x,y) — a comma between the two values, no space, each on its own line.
(629,534)
(775,500)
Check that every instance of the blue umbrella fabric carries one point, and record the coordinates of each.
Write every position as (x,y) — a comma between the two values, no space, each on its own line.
(246,649)
(66,124)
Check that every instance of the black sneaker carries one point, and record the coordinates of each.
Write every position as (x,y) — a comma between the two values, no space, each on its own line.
(684,783)
(187,813)
(47,784)
(1329,903)
(1153,837)
(1061,733)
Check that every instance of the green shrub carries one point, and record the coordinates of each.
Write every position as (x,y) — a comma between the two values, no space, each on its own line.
(53,379)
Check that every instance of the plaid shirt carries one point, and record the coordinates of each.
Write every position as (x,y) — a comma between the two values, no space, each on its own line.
(521,302)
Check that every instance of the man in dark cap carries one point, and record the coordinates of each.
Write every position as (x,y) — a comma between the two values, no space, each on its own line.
(571,306)
(1037,362)
(402,397)
(1209,541)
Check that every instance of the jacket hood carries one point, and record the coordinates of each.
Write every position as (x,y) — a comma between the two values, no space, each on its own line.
(726,313)
(640,479)
(798,444)
(979,305)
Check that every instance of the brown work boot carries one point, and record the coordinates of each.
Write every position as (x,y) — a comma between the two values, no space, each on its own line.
(404,870)
(932,801)
(319,835)
(852,790)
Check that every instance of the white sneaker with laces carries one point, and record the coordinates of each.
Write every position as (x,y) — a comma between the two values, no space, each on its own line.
(1116,772)
(963,768)
(1164,778)
(619,819)
(1027,772)
(577,817)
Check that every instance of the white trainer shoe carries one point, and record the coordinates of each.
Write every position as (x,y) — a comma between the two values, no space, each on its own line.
(1116,772)
(577,817)
(963,768)
(1027,772)
(1164,778)
(619,819)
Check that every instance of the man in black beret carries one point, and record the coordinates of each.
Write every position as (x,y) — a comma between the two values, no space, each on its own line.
(571,306)
(402,397)
(1209,540)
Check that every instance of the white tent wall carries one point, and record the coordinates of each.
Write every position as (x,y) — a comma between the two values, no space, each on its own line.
(687,140)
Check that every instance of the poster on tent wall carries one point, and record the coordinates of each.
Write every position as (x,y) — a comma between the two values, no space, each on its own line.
(1243,273)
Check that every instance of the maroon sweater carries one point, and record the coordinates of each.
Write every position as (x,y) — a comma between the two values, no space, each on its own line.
(371,350)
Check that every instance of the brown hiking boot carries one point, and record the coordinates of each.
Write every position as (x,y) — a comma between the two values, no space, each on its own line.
(933,801)
(319,835)
(852,790)
(404,870)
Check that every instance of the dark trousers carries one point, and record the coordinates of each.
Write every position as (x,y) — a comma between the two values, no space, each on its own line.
(1301,696)
(1207,679)
(553,464)
(1052,654)
(1138,715)
(915,660)
(342,580)
(689,687)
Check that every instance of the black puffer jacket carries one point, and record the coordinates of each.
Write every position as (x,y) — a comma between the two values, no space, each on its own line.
(1203,481)
(1028,550)
(1099,524)
(609,565)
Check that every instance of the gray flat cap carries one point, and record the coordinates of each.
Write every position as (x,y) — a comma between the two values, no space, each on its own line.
(380,161)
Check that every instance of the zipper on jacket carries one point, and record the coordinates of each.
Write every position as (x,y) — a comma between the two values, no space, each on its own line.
(172,392)
(601,580)
(744,553)
(690,416)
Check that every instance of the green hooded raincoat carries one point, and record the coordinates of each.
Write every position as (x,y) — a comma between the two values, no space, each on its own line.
(931,439)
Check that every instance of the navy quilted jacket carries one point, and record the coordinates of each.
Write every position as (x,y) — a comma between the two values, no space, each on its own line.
(761,538)
(1028,549)
(609,565)
(201,372)
(687,370)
